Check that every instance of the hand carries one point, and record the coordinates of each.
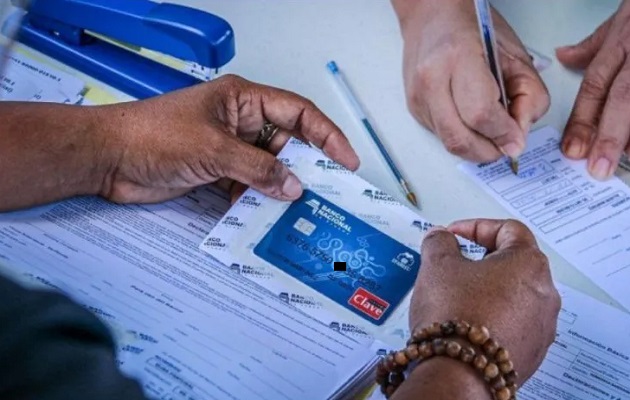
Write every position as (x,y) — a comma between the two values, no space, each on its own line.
(599,124)
(173,143)
(450,89)
(510,291)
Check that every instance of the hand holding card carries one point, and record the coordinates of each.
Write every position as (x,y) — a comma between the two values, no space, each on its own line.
(291,248)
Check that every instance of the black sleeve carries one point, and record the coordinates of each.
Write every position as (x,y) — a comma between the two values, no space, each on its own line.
(53,349)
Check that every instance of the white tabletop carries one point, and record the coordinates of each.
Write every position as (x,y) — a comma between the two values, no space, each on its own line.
(287,44)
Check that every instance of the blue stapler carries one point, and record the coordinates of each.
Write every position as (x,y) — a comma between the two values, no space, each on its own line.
(69,30)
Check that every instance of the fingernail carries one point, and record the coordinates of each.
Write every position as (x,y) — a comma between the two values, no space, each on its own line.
(511,150)
(292,187)
(573,149)
(602,169)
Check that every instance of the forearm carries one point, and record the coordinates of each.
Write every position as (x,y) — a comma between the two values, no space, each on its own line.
(420,18)
(49,152)
(407,9)
(443,378)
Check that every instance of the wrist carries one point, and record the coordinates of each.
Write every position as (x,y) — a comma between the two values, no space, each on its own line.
(408,11)
(107,135)
(443,378)
(470,345)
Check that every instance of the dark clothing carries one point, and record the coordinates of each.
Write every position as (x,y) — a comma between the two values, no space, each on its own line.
(53,349)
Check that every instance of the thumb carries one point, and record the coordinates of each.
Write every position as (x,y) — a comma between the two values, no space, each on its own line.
(257,169)
(580,55)
(440,249)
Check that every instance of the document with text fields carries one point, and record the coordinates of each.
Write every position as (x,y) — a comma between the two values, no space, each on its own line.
(26,79)
(586,221)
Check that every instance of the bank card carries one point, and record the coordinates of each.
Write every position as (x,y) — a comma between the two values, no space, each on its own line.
(314,233)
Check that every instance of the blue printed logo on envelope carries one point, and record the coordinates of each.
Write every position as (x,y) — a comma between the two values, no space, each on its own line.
(314,233)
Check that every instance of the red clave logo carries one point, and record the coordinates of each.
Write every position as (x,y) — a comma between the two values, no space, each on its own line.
(368,303)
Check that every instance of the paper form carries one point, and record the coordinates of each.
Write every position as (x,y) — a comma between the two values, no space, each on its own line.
(587,222)
(68,84)
(251,370)
(241,228)
(142,265)
(589,359)
(16,86)
(26,79)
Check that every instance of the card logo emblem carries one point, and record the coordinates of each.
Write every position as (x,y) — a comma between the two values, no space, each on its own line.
(329,215)
(368,303)
(404,260)
(314,204)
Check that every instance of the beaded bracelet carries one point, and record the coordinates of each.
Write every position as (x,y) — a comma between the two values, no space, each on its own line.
(484,354)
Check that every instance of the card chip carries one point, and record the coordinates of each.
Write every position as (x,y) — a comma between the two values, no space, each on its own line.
(304,226)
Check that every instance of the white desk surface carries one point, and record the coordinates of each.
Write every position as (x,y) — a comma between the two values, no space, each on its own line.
(287,44)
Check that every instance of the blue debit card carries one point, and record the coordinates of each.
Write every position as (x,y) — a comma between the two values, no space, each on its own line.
(314,233)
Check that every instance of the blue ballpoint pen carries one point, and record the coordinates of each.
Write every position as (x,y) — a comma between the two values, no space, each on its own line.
(484,18)
(358,110)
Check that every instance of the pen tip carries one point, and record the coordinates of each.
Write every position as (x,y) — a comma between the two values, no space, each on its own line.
(514,165)
(412,199)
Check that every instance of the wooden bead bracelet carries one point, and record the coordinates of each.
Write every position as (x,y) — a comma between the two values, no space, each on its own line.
(483,353)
